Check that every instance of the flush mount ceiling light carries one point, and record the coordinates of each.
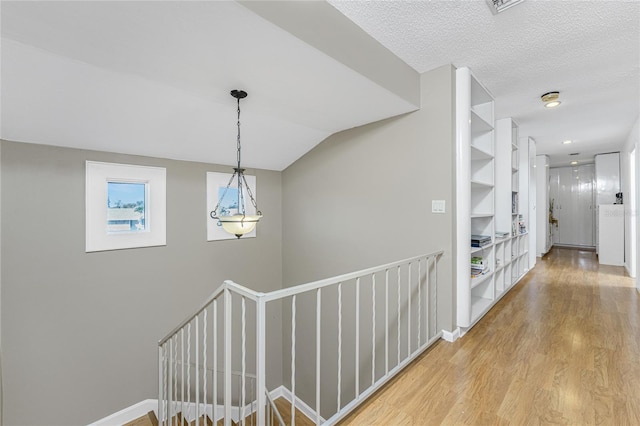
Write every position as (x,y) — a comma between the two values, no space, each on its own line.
(573,163)
(567,142)
(498,6)
(239,223)
(550,99)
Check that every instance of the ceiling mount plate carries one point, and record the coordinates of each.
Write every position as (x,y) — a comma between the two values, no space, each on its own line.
(239,94)
(498,6)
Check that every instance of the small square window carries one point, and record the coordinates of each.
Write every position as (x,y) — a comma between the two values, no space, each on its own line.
(125,206)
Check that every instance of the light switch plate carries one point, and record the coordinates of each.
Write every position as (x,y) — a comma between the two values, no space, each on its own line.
(437,206)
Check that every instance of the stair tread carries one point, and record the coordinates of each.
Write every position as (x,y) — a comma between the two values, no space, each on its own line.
(148,419)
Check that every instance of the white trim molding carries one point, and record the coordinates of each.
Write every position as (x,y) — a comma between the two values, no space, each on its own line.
(451,336)
(100,177)
(283,392)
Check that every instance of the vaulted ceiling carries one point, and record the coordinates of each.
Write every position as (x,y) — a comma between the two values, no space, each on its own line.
(153,78)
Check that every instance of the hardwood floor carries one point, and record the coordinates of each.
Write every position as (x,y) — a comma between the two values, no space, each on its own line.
(562,347)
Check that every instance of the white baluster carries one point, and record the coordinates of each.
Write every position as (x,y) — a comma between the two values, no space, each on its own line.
(189,364)
(339,345)
(409,312)
(244,360)
(204,364)
(161,384)
(399,316)
(197,372)
(293,360)
(215,360)
(386,321)
(419,301)
(261,369)
(428,301)
(170,374)
(435,295)
(318,347)
(175,372)
(227,356)
(373,329)
(182,371)
(357,357)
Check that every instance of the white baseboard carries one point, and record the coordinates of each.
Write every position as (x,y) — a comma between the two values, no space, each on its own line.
(451,336)
(127,414)
(626,268)
(285,393)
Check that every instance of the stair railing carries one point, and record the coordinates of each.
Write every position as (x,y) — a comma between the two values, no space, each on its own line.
(380,319)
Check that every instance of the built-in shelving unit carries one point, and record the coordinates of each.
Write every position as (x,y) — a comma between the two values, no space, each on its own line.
(488,204)
(475,197)
(509,205)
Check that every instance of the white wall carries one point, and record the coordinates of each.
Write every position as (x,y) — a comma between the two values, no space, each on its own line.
(632,219)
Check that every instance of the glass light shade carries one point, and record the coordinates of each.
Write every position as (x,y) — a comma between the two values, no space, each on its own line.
(552,104)
(238,224)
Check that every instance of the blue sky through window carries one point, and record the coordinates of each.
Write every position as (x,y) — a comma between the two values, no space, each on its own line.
(123,193)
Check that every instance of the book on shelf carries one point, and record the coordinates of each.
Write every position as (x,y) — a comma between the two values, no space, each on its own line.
(479,266)
(479,272)
(501,234)
(477,262)
(480,240)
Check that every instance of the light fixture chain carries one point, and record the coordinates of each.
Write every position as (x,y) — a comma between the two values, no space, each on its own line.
(214,213)
(239,133)
(253,201)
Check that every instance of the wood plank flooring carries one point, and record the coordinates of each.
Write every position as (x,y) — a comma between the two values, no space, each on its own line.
(562,347)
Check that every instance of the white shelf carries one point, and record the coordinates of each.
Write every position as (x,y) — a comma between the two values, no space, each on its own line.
(480,215)
(479,185)
(479,280)
(478,153)
(478,125)
(478,306)
(477,249)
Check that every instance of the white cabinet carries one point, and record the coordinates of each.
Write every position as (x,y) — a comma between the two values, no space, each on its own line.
(607,183)
(611,234)
(607,172)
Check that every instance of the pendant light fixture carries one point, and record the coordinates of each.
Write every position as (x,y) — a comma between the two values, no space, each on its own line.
(239,223)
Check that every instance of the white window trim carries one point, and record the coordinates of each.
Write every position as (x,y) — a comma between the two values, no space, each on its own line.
(97,176)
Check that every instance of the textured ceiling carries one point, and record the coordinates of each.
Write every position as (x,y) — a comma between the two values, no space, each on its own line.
(587,50)
(152,78)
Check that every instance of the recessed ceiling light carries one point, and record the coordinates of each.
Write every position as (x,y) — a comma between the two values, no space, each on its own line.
(550,99)
(567,142)
(573,163)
